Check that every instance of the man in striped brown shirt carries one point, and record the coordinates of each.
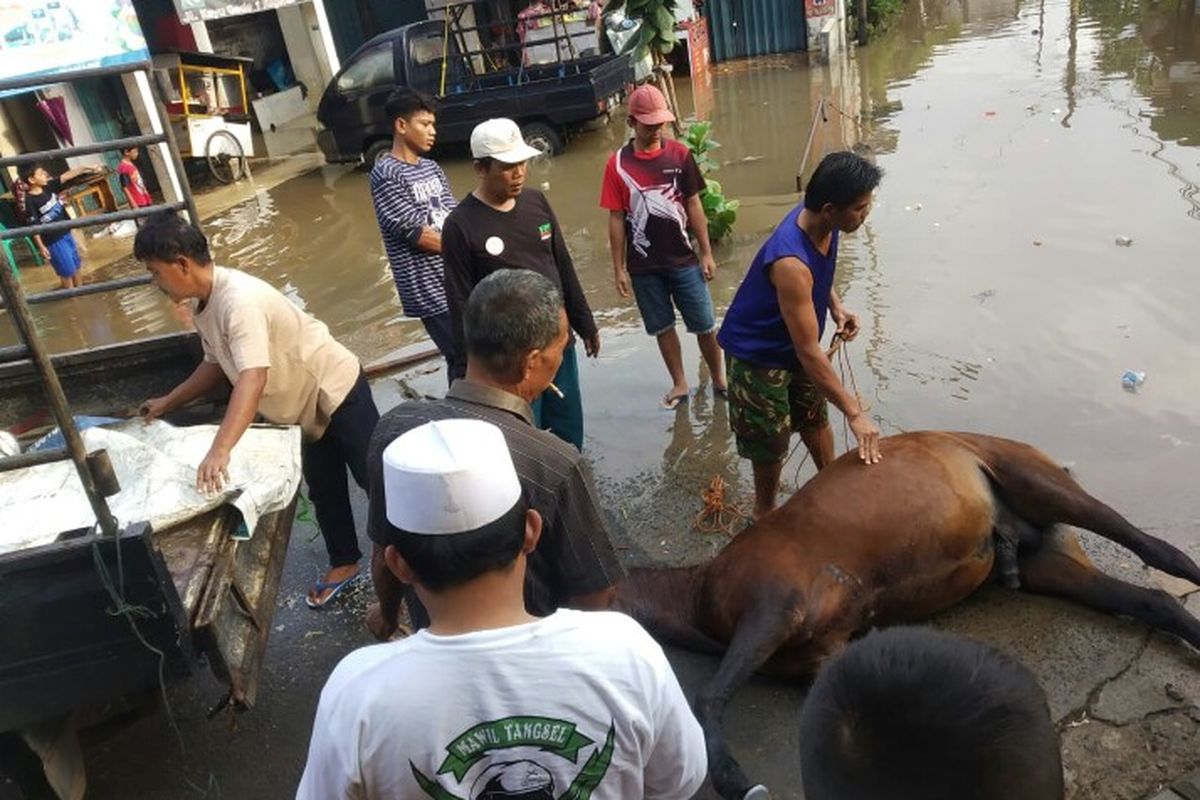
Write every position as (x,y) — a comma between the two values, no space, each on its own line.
(516,329)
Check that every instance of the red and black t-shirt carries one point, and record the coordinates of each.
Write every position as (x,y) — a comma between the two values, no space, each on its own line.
(134,186)
(651,188)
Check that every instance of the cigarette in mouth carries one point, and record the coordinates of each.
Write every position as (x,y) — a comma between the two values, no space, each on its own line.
(557,391)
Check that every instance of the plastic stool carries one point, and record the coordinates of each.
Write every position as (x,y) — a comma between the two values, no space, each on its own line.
(28,242)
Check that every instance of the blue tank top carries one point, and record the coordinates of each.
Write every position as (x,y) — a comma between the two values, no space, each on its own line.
(753,329)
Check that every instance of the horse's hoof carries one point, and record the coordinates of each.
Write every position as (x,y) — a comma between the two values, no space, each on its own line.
(758,792)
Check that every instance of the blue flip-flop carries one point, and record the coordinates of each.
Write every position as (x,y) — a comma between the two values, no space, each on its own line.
(337,587)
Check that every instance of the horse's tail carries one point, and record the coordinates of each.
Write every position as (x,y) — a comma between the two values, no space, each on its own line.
(1039,491)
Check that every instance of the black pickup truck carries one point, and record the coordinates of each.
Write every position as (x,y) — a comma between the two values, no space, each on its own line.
(548,101)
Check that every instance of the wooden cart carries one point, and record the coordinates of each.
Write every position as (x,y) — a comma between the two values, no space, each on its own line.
(116,609)
(206,101)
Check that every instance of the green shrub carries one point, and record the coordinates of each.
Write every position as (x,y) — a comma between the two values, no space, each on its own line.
(882,13)
(721,212)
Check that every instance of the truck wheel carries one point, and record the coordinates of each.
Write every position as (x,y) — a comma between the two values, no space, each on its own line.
(21,767)
(375,150)
(541,136)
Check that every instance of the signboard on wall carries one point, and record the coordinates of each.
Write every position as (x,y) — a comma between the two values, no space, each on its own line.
(201,10)
(44,37)
(819,8)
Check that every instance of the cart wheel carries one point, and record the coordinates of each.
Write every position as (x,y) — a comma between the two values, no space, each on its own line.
(226,159)
(541,136)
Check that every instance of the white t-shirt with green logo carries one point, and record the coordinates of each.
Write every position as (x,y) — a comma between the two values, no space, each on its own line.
(577,705)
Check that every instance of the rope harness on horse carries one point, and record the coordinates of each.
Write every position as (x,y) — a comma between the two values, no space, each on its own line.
(838,348)
(718,515)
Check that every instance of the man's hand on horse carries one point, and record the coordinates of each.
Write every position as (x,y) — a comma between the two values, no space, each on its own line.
(847,325)
(868,438)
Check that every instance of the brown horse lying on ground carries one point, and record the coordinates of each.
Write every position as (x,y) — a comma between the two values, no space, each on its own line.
(858,547)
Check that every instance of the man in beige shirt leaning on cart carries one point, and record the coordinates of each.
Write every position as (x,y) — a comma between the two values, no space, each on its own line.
(282,364)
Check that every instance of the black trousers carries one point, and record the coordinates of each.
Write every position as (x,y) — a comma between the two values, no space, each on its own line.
(324,462)
(440,331)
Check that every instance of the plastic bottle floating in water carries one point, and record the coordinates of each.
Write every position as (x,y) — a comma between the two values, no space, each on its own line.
(1132,380)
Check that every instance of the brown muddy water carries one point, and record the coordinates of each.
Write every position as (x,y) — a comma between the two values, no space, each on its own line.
(1020,141)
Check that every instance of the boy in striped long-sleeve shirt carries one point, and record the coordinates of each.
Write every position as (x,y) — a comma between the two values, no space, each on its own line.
(412,198)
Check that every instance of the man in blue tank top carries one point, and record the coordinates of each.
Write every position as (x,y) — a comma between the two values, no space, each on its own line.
(779,376)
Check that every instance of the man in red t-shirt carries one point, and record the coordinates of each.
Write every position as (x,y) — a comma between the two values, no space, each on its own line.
(131,179)
(652,192)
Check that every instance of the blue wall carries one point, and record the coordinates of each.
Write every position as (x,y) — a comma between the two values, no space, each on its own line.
(742,28)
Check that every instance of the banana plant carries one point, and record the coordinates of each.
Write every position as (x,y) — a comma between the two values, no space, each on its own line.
(720,211)
(657,35)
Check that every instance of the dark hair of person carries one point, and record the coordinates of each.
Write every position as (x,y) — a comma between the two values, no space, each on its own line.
(444,561)
(510,313)
(166,236)
(127,150)
(485,163)
(840,179)
(27,171)
(402,103)
(913,714)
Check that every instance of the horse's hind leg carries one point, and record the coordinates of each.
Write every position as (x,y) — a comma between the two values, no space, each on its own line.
(1060,567)
(1099,518)
(1043,493)
(759,633)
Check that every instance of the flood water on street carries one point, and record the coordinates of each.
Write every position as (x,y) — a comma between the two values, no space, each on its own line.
(1020,141)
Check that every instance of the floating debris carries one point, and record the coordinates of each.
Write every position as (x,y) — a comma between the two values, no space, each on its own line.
(1132,379)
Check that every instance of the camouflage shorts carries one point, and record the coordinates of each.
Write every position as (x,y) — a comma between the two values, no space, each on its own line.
(765,405)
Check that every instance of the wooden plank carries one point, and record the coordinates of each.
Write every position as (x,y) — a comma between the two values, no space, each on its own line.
(233,622)
(189,550)
(401,358)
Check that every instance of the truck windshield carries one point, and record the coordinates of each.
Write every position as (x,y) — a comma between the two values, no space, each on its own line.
(373,67)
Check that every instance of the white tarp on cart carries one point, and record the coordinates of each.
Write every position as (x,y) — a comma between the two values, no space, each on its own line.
(156,466)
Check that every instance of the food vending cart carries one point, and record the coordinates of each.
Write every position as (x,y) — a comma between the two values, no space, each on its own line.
(207,104)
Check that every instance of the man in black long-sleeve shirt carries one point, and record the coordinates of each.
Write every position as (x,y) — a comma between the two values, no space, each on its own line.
(503,225)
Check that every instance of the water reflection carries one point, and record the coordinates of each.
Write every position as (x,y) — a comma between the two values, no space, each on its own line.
(1019,138)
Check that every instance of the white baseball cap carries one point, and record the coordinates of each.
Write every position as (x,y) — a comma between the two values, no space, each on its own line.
(449,476)
(501,139)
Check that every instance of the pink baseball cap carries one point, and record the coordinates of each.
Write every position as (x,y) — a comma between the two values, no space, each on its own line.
(648,106)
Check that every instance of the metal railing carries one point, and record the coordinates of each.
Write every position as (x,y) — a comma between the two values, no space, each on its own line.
(94,469)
